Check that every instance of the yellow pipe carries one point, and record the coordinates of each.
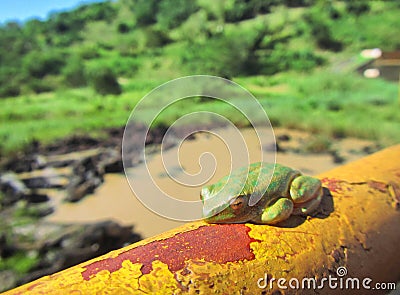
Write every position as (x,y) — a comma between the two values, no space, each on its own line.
(356,231)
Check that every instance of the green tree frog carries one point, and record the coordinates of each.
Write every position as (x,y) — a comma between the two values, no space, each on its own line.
(289,192)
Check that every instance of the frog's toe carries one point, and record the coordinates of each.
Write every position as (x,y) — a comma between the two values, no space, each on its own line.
(307,207)
(279,211)
(305,188)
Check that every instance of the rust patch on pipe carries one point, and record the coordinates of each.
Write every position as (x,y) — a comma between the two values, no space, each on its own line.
(394,191)
(380,186)
(217,243)
(333,184)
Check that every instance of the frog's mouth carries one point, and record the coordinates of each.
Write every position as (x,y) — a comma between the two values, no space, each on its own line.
(224,217)
(228,213)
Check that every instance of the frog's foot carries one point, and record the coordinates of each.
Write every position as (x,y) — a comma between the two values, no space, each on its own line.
(277,212)
(304,188)
(306,193)
(307,207)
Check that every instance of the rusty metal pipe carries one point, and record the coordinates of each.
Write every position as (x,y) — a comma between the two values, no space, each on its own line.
(357,230)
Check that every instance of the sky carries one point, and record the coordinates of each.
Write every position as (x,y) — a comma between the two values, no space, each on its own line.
(22,10)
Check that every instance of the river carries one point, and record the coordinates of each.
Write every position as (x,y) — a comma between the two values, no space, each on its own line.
(115,200)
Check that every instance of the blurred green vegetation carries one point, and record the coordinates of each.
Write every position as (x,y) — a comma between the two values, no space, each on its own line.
(83,70)
(20,262)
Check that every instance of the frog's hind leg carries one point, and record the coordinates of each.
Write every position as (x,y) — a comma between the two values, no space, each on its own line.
(277,212)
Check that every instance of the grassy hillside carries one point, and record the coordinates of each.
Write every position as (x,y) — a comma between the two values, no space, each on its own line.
(83,70)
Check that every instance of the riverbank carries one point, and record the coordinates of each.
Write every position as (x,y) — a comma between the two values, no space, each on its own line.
(78,183)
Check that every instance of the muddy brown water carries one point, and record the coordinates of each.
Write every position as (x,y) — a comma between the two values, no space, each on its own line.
(115,200)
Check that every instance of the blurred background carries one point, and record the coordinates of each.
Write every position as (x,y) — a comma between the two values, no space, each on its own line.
(326,73)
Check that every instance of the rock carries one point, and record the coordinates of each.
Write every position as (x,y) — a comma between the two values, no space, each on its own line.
(87,166)
(97,239)
(279,148)
(269,147)
(337,157)
(283,137)
(25,163)
(43,210)
(111,161)
(87,175)
(70,144)
(8,280)
(36,182)
(114,166)
(63,246)
(12,188)
(36,197)
(3,245)
(60,163)
(77,189)
(371,149)
(155,135)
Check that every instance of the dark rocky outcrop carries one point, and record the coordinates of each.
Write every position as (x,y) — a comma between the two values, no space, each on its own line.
(38,182)
(12,189)
(86,176)
(59,246)
(24,163)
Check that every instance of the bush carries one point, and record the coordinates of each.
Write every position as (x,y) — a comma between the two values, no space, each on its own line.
(9,82)
(145,11)
(219,56)
(321,31)
(39,64)
(318,144)
(62,29)
(123,28)
(74,72)
(89,52)
(156,38)
(298,3)
(281,59)
(104,80)
(241,10)
(95,11)
(325,40)
(8,90)
(40,85)
(357,7)
(171,13)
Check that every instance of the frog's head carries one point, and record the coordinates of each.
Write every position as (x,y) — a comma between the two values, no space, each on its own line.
(220,207)
(234,198)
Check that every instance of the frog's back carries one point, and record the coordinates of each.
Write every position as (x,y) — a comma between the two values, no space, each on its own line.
(274,179)
(281,178)
(256,178)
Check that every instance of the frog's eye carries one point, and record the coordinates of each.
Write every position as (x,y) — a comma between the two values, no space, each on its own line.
(238,203)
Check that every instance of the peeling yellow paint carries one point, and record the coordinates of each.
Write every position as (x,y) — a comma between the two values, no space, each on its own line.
(159,281)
